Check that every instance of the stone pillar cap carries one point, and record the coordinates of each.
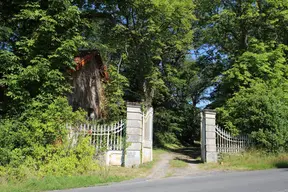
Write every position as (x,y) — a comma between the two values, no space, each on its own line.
(136,104)
(209,110)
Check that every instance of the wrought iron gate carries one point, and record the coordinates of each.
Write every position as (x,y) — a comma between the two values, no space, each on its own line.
(227,143)
(102,137)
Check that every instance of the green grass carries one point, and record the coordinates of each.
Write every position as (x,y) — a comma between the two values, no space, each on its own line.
(104,176)
(253,160)
(176,163)
(54,183)
(172,146)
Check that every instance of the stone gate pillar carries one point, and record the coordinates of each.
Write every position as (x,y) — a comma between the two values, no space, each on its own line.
(134,138)
(208,136)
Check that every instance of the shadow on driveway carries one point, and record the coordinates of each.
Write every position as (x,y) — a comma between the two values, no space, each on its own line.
(191,154)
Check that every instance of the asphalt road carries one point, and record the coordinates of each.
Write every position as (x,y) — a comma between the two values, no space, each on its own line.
(256,181)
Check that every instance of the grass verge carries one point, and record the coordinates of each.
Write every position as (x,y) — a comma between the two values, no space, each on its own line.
(55,183)
(176,163)
(103,176)
(252,160)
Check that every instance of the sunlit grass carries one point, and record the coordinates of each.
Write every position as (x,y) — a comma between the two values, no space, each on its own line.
(252,160)
(176,163)
(103,176)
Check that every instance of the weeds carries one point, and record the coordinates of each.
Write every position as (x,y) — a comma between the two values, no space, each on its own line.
(100,176)
(252,160)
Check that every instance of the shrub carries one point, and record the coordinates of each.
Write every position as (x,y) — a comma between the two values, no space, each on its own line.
(69,160)
(36,144)
(64,160)
(39,125)
(261,110)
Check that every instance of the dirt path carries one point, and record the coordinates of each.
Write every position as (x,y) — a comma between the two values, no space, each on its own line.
(164,169)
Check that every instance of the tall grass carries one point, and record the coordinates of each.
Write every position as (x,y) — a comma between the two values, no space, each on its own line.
(102,176)
(251,160)
(55,183)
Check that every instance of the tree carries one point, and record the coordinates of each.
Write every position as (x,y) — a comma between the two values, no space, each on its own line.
(261,111)
(231,28)
(44,42)
(145,36)
(250,40)
(35,58)
(147,42)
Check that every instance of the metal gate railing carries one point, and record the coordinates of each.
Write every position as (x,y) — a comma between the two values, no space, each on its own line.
(227,143)
(102,137)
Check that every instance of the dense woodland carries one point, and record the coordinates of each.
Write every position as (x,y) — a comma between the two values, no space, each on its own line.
(171,54)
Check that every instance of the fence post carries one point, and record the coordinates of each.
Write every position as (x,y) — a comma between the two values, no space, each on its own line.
(134,139)
(209,136)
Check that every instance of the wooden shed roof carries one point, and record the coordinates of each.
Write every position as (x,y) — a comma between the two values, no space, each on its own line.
(85,56)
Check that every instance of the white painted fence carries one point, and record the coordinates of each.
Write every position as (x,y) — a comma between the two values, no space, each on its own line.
(103,137)
(227,143)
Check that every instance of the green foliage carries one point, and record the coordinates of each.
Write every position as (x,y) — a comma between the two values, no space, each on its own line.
(144,37)
(229,31)
(259,106)
(114,92)
(37,126)
(240,52)
(61,160)
(166,127)
(69,160)
(33,65)
(262,111)
(250,160)
(247,40)
(36,53)
(147,41)
(177,118)
(264,62)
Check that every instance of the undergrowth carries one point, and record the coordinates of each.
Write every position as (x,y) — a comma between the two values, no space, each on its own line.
(251,160)
(95,175)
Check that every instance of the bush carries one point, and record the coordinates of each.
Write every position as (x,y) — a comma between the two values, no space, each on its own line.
(261,111)
(63,160)
(36,144)
(39,125)
(68,160)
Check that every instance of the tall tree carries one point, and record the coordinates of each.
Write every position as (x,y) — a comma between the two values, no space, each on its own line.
(250,38)
(44,41)
(147,42)
(35,57)
(231,28)
(146,36)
